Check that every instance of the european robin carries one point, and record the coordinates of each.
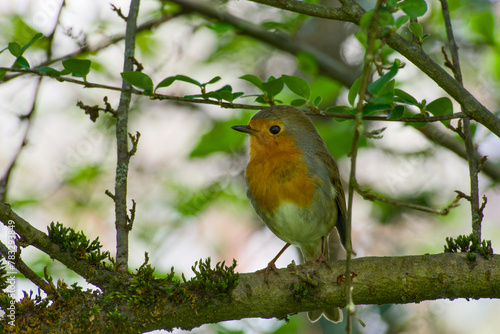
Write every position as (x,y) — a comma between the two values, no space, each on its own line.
(294,185)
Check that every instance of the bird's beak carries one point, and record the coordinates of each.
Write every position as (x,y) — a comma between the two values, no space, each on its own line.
(244,129)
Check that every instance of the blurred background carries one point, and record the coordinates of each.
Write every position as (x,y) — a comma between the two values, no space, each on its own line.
(187,175)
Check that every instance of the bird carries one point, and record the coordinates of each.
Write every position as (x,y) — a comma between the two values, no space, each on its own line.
(294,185)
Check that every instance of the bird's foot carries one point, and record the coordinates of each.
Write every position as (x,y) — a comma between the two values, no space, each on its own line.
(266,270)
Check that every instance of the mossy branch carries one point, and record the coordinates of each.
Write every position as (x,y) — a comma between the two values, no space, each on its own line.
(166,303)
(94,273)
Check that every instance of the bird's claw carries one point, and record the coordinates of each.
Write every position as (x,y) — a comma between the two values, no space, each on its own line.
(270,266)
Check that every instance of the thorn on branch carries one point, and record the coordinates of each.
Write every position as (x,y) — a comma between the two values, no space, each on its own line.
(452,205)
(108,108)
(137,64)
(107,192)
(481,163)
(462,195)
(447,61)
(119,12)
(131,218)
(483,205)
(135,142)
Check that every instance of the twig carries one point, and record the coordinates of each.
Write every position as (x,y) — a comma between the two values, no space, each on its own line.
(123,157)
(469,145)
(118,12)
(326,64)
(374,197)
(227,105)
(369,56)
(135,142)
(97,275)
(19,264)
(4,181)
(131,218)
(104,44)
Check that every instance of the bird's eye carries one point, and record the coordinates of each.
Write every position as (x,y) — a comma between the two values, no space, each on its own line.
(274,129)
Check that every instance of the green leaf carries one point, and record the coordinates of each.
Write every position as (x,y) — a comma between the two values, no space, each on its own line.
(213,80)
(253,79)
(385,95)
(396,113)
(15,49)
(353,92)
(404,97)
(317,101)
(48,70)
(414,8)
(297,85)
(273,87)
(385,19)
(165,82)
(260,99)
(33,40)
(370,108)
(366,19)
(78,67)
(21,62)
(440,107)
(2,74)
(185,78)
(401,20)
(416,29)
(377,86)
(139,80)
(298,102)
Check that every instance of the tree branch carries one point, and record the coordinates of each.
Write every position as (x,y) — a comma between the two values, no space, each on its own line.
(100,46)
(376,280)
(97,275)
(379,280)
(327,65)
(368,60)
(123,157)
(469,144)
(19,264)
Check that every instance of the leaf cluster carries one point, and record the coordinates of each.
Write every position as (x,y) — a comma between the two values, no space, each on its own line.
(470,245)
(218,281)
(76,243)
(76,67)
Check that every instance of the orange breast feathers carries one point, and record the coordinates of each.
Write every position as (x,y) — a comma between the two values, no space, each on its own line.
(277,173)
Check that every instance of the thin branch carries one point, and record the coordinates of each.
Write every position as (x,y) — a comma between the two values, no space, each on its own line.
(369,56)
(439,137)
(19,264)
(123,157)
(97,275)
(326,64)
(374,197)
(228,105)
(469,145)
(4,181)
(100,46)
